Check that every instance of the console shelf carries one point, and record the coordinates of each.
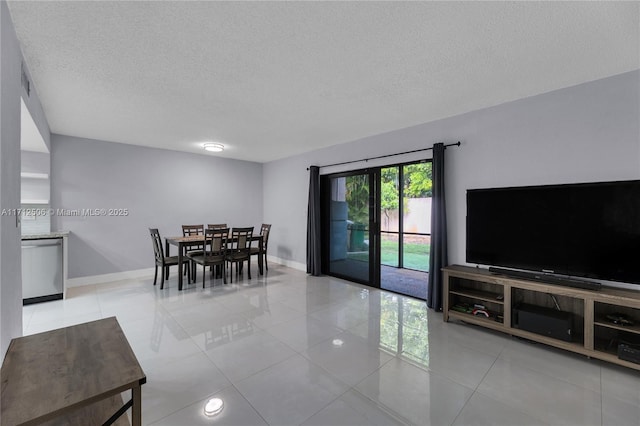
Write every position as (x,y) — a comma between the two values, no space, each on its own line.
(484,296)
(593,331)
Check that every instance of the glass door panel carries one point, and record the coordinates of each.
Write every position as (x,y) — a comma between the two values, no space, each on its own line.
(349,227)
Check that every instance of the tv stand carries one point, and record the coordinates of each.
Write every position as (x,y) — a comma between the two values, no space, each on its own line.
(548,278)
(542,312)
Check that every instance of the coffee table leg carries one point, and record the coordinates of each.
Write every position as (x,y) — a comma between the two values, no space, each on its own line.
(136,409)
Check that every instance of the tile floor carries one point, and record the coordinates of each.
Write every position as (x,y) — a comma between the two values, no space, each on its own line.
(289,349)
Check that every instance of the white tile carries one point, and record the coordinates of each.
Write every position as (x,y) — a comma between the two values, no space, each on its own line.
(236,412)
(63,321)
(272,314)
(458,363)
(307,301)
(249,354)
(218,332)
(555,401)
(72,307)
(484,411)
(419,396)
(173,385)
(352,409)
(477,338)
(160,342)
(616,412)
(341,315)
(563,365)
(290,392)
(621,383)
(302,333)
(348,357)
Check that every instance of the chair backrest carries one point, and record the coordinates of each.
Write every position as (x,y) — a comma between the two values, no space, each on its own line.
(242,238)
(264,231)
(158,251)
(218,226)
(216,239)
(189,230)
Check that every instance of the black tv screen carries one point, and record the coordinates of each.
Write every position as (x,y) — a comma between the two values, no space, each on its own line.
(589,230)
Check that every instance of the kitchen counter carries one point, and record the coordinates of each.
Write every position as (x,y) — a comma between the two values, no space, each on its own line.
(57,234)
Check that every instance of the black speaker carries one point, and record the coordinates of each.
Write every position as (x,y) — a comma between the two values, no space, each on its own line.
(545,321)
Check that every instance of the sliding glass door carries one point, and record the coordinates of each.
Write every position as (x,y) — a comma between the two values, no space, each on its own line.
(349,216)
(376,227)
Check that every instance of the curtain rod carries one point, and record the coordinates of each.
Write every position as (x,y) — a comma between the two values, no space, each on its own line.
(385,156)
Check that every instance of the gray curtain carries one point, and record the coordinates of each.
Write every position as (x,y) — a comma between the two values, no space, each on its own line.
(438,257)
(313,223)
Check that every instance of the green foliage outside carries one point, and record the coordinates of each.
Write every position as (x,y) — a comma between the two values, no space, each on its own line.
(416,256)
(417,184)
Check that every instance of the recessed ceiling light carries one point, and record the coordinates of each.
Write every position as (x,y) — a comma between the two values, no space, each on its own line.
(213,407)
(337,342)
(213,147)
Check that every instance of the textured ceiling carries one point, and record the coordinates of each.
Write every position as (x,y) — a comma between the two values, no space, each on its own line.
(274,79)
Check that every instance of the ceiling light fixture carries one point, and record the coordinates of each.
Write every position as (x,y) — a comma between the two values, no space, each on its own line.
(213,407)
(214,147)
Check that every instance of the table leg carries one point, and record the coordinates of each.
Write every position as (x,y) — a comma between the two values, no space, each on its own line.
(180,250)
(136,408)
(260,257)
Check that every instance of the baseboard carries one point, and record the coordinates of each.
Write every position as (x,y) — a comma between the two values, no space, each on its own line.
(288,263)
(148,272)
(107,278)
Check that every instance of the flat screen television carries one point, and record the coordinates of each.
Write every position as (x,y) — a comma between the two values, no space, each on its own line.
(587,230)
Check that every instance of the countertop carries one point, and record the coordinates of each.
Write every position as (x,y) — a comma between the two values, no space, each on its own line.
(56,234)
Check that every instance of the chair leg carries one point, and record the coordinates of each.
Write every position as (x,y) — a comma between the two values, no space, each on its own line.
(248,266)
(155,275)
(265,262)
(224,274)
(162,278)
(204,273)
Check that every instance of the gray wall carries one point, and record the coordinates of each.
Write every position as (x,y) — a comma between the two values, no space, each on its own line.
(588,132)
(10,256)
(160,188)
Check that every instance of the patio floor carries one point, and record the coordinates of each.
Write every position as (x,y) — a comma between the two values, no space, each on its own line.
(405,281)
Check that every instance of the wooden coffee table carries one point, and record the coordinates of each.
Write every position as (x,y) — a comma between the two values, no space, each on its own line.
(73,375)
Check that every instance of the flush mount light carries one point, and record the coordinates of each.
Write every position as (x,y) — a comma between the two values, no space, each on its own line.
(213,147)
(337,342)
(213,407)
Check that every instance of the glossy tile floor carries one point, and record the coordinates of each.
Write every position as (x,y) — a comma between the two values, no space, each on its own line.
(288,349)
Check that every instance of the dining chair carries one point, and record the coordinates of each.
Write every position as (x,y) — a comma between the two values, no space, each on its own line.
(214,253)
(217,226)
(188,231)
(265,229)
(240,250)
(162,261)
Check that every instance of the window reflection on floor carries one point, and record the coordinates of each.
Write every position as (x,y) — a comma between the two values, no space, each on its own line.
(403,327)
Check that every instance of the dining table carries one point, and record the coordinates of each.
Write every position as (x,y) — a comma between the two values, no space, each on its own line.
(185,242)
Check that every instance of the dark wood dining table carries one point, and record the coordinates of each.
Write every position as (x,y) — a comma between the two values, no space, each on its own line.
(198,240)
